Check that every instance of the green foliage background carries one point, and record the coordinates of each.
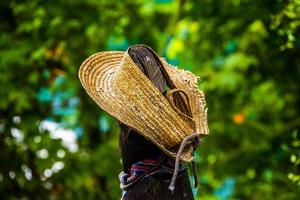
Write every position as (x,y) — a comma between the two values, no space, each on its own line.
(247,54)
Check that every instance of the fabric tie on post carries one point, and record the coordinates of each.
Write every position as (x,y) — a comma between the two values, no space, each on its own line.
(159,167)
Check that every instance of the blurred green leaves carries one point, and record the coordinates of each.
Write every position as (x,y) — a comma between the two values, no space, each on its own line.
(287,23)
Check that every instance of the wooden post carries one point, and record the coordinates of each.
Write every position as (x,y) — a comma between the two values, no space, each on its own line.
(135,147)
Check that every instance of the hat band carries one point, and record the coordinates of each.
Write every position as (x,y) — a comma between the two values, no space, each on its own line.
(195,139)
(181,104)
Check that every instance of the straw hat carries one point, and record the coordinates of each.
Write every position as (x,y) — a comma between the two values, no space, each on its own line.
(119,87)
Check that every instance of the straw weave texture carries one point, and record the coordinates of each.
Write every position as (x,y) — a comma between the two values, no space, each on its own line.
(120,88)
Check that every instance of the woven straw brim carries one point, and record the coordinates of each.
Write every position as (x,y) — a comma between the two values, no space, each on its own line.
(120,88)
(188,82)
